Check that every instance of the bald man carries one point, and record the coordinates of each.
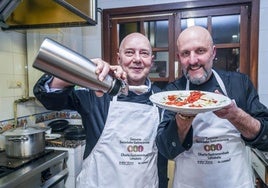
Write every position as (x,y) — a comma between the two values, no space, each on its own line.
(217,155)
(120,130)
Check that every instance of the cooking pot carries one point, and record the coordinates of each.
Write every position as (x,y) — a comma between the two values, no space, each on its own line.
(2,141)
(24,142)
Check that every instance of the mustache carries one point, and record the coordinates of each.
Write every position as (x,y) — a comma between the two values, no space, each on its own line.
(194,67)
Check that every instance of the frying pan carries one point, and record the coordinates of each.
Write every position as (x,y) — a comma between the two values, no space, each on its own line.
(58,125)
(75,133)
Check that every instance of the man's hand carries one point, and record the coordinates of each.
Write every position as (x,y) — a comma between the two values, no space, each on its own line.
(248,126)
(184,123)
(103,69)
(228,112)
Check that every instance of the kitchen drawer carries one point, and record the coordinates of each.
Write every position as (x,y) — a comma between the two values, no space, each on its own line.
(75,159)
(259,166)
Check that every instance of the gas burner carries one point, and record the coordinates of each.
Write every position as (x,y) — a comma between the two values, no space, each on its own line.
(44,170)
(4,171)
(9,164)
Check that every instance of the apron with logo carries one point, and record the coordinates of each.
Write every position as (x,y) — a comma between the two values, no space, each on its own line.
(218,157)
(125,154)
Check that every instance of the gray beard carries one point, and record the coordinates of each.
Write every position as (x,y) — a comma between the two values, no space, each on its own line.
(198,81)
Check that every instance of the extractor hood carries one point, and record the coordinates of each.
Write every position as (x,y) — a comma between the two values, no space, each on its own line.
(33,14)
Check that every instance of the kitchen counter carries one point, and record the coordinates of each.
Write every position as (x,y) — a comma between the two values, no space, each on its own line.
(74,161)
(260,165)
(30,175)
(75,150)
(62,142)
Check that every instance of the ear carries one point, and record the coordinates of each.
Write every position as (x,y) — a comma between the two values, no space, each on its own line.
(178,56)
(152,64)
(118,58)
(214,51)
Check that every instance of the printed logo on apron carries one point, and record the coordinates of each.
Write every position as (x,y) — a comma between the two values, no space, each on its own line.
(126,153)
(217,152)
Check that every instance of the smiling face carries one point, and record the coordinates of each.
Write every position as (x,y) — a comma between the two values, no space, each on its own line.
(196,53)
(135,57)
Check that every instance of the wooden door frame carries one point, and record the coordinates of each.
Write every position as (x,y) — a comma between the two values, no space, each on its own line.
(108,14)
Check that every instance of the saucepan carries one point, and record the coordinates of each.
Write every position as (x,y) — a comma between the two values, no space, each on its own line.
(2,141)
(24,142)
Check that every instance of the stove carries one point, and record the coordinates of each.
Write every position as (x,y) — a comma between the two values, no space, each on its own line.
(15,163)
(42,170)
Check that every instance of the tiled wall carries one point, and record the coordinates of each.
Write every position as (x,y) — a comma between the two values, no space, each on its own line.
(12,71)
(41,119)
(13,58)
(263,53)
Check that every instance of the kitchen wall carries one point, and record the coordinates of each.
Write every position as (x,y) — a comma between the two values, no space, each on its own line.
(18,48)
(263,54)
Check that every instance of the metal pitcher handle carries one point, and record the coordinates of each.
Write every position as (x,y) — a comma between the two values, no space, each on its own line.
(18,139)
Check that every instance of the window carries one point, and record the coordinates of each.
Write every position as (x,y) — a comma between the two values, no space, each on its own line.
(233,25)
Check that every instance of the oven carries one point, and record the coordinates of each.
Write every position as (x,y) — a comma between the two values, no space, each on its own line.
(47,169)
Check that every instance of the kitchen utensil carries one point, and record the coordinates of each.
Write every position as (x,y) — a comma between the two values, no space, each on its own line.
(138,89)
(75,133)
(217,101)
(58,125)
(24,142)
(2,141)
(64,63)
(52,136)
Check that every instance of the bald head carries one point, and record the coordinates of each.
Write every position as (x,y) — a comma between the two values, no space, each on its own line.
(136,58)
(196,53)
(137,37)
(194,32)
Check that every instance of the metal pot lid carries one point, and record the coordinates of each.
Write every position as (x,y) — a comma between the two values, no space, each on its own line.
(23,131)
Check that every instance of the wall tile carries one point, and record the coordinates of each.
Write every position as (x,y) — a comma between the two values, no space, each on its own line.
(6,63)
(19,61)
(263,65)
(18,42)
(20,86)
(263,18)
(6,83)
(263,89)
(264,3)
(6,108)
(5,44)
(263,38)
(264,98)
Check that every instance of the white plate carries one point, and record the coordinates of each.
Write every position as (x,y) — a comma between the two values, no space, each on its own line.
(160,98)
(52,136)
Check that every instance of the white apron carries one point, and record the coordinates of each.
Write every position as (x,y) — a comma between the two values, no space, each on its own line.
(218,157)
(125,155)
